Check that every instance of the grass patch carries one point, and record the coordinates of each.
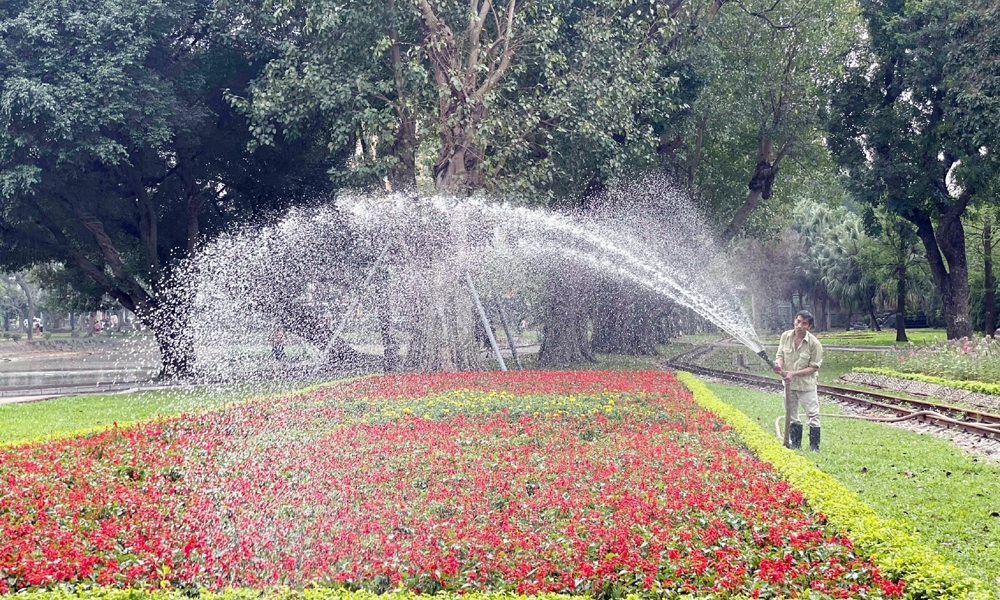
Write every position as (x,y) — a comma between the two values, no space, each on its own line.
(947,497)
(604,362)
(886,337)
(34,420)
(699,338)
(835,363)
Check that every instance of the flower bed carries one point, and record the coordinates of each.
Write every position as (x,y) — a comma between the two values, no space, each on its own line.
(578,482)
(976,360)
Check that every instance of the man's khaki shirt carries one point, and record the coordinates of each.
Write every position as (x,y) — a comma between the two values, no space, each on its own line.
(808,354)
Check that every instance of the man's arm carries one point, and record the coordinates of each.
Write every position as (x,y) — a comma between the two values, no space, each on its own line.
(801,372)
(779,357)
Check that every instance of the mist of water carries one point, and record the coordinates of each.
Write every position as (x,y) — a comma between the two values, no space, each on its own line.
(338,262)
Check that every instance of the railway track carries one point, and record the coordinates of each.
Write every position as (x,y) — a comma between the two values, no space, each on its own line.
(951,417)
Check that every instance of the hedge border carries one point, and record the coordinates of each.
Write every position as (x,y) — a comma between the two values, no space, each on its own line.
(983,387)
(897,553)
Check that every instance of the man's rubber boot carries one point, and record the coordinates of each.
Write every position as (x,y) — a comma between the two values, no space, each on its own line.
(795,435)
(814,439)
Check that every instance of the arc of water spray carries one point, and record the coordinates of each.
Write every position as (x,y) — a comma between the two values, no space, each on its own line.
(660,284)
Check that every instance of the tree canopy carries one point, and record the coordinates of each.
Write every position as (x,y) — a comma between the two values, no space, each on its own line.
(119,153)
(133,131)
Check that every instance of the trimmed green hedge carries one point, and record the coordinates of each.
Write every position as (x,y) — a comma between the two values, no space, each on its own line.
(973,386)
(897,553)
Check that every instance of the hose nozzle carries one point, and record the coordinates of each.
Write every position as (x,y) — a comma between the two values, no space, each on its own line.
(763,355)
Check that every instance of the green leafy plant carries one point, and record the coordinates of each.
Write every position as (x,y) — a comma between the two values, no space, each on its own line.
(966,359)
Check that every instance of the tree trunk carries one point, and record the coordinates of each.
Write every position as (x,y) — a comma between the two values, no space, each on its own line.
(565,340)
(169,327)
(443,332)
(31,305)
(194,199)
(459,166)
(948,244)
(623,321)
(871,314)
(166,319)
(402,174)
(760,184)
(466,68)
(990,283)
(391,362)
(901,293)
(822,313)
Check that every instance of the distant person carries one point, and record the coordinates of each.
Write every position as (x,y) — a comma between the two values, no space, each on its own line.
(278,339)
(802,353)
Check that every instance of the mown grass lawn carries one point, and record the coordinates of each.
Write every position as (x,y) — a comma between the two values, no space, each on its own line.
(949,497)
(886,337)
(32,420)
(835,363)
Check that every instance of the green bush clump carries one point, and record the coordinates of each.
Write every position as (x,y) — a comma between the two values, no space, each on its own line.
(897,553)
(973,386)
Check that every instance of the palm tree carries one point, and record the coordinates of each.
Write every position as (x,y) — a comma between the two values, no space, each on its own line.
(813,222)
(844,252)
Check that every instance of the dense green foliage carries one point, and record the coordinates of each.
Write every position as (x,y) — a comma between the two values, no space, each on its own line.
(911,134)
(119,154)
(133,132)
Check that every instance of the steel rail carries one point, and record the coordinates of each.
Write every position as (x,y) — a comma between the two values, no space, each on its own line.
(945,415)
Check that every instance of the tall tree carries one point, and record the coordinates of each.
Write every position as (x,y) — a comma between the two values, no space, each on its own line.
(899,127)
(118,153)
(759,114)
(26,288)
(358,70)
(897,264)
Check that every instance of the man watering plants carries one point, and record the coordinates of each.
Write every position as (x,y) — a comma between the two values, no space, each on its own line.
(801,353)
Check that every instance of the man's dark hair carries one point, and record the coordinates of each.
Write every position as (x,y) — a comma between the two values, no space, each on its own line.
(805,314)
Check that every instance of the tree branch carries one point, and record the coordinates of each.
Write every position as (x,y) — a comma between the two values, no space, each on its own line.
(495,76)
(763,15)
(475,28)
